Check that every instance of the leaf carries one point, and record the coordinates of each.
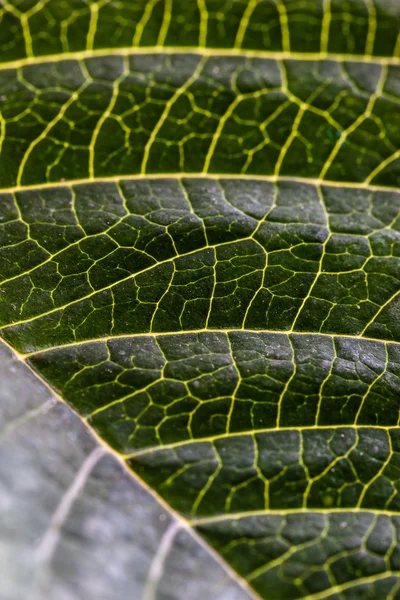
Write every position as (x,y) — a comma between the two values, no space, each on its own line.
(200,253)
(75,525)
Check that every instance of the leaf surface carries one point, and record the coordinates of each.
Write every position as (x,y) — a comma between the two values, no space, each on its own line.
(200,252)
(75,525)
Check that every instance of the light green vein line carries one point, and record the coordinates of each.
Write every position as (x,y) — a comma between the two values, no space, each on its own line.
(289,511)
(129,51)
(155,334)
(57,119)
(168,106)
(200,175)
(244,22)
(129,277)
(251,432)
(337,589)
(140,27)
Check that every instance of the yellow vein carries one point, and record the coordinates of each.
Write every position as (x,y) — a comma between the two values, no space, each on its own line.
(326,22)
(105,115)
(202,7)
(360,581)
(129,277)
(244,22)
(59,116)
(383,166)
(178,93)
(143,22)
(250,432)
(202,51)
(372,25)
(289,511)
(165,23)
(199,331)
(201,175)
(284,24)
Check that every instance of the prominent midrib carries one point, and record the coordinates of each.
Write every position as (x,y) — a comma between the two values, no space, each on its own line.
(201,51)
(244,433)
(199,175)
(156,334)
(196,522)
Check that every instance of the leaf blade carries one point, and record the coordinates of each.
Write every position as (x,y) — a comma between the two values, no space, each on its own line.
(235,339)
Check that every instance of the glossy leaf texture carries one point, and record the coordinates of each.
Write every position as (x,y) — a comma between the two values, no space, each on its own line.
(200,252)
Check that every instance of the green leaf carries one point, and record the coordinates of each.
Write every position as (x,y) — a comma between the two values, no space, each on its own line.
(200,254)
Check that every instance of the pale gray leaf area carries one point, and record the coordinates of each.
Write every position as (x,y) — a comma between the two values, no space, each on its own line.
(75,525)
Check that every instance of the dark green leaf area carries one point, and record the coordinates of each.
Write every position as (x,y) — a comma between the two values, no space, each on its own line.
(290,469)
(302,555)
(56,26)
(178,255)
(149,391)
(177,113)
